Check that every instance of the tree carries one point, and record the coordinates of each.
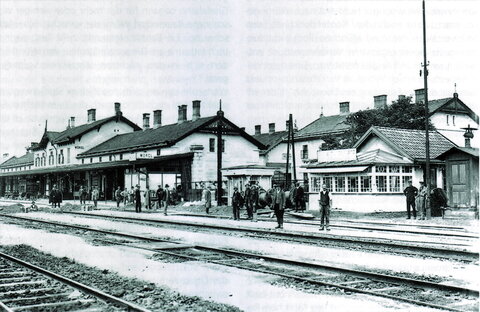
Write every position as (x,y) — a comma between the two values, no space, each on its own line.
(400,114)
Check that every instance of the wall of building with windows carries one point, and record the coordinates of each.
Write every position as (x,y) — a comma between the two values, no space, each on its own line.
(378,188)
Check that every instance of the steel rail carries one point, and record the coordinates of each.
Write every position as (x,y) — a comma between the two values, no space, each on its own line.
(359,273)
(87,289)
(343,239)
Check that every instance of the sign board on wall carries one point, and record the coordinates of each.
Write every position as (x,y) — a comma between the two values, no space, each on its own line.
(79,147)
(143,155)
(337,155)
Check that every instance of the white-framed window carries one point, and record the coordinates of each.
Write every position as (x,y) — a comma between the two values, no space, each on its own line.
(352,184)
(394,184)
(365,184)
(381,182)
(339,184)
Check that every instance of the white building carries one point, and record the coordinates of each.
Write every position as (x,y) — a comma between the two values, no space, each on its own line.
(373,174)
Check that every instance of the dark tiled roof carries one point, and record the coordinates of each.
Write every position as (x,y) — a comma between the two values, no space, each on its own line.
(468,150)
(164,135)
(270,140)
(324,125)
(74,132)
(52,135)
(26,159)
(412,142)
(436,104)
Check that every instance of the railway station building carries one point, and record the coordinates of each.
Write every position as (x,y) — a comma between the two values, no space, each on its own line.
(372,175)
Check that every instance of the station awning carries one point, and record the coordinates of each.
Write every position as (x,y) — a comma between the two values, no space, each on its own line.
(338,169)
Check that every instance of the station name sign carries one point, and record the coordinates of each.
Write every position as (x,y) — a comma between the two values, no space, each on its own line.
(143,155)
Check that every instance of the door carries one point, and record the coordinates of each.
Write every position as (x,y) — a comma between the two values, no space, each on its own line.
(459,188)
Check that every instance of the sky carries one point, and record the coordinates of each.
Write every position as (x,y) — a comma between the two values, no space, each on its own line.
(263,59)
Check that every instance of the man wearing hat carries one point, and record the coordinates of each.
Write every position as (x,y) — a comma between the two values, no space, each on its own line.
(420,201)
(236,202)
(410,193)
(278,202)
(167,196)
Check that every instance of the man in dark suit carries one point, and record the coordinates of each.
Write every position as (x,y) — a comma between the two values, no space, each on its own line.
(236,203)
(138,199)
(324,208)
(248,201)
(299,200)
(278,202)
(411,193)
(168,197)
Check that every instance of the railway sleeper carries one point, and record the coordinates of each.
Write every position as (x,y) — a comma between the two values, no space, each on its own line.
(31,291)
(54,305)
(15,274)
(36,299)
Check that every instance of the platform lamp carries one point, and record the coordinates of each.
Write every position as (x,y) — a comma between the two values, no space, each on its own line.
(468,135)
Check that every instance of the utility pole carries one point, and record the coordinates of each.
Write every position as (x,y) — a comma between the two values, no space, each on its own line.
(427,138)
(220,115)
(290,125)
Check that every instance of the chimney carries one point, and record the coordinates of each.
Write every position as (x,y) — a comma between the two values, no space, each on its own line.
(196,110)
(72,122)
(379,101)
(455,95)
(242,128)
(182,113)
(468,135)
(419,96)
(91,115)
(271,127)
(146,121)
(401,97)
(68,126)
(157,118)
(118,112)
(258,129)
(344,108)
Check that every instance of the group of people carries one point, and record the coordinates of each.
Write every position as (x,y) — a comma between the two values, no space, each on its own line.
(416,200)
(162,195)
(249,199)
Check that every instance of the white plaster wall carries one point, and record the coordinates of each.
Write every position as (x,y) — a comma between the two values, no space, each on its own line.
(454,132)
(362,202)
(374,143)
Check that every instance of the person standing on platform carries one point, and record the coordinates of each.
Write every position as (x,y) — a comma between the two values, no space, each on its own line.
(131,195)
(148,202)
(420,201)
(207,195)
(95,196)
(160,194)
(248,201)
(278,202)
(82,194)
(410,193)
(167,198)
(118,196)
(236,202)
(299,198)
(254,199)
(125,197)
(324,202)
(138,199)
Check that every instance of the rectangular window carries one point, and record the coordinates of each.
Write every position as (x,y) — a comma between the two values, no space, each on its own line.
(352,184)
(110,158)
(305,152)
(365,184)
(407,169)
(316,184)
(91,159)
(120,156)
(212,145)
(381,169)
(68,155)
(447,122)
(339,184)
(453,120)
(100,159)
(394,184)
(83,161)
(328,181)
(159,151)
(405,180)
(381,183)
(223,146)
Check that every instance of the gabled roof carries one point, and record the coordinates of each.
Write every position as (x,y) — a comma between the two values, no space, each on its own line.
(365,158)
(408,142)
(468,150)
(270,140)
(163,136)
(14,161)
(324,125)
(72,133)
(451,104)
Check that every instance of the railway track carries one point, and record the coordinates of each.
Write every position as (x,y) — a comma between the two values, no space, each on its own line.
(310,275)
(27,287)
(396,247)
(434,294)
